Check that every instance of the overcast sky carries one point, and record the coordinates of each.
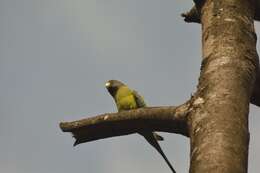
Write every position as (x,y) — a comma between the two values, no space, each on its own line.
(56,55)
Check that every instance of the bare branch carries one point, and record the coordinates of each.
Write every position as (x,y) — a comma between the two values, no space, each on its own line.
(194,15)
(167,119)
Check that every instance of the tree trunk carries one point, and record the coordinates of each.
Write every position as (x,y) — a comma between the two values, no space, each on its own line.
(219,121)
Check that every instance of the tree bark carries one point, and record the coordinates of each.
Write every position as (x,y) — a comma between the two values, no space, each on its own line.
(219,125)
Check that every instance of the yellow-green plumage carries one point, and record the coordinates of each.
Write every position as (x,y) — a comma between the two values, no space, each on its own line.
(127,99)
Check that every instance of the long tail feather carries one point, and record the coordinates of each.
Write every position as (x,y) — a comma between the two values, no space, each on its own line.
(151,139)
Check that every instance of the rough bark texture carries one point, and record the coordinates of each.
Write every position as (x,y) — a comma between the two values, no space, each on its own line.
(219,124)
(167,119)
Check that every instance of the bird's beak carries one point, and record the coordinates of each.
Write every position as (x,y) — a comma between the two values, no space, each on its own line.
(107,84)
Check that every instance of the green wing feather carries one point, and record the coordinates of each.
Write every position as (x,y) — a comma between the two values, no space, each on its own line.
(138,99)
(140,104)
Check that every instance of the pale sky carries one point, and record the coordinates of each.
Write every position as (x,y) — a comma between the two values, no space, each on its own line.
(55,57)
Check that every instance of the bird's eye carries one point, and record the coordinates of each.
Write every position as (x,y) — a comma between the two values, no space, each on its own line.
(108,84)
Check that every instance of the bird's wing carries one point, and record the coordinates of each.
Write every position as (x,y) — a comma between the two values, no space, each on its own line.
(139,99)
(140,103)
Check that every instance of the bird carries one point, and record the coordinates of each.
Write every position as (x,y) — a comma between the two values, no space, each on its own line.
(127,99)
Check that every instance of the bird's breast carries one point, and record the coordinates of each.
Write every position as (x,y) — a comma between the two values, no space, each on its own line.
(126,103)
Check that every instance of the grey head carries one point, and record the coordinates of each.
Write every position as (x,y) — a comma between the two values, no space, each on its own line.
(113,86)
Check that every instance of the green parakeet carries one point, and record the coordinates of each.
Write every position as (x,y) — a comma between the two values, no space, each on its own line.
(127,99)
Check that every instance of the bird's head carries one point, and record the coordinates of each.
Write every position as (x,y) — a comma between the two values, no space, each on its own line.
(112,86)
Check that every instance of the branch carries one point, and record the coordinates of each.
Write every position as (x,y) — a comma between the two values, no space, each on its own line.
(194,15)
(167,119)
